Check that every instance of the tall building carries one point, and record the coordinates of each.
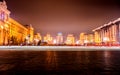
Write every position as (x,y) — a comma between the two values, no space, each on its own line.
(108,33)
(97,37)
(86,38)
(59,38)
(82,38)
(90,38)
(48,38)
(70,39)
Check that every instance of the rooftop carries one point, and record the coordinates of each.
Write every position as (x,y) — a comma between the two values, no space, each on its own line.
(111,22)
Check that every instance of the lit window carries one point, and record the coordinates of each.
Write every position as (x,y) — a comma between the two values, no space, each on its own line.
(2,16)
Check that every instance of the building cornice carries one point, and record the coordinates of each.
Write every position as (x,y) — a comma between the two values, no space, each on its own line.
(105,25)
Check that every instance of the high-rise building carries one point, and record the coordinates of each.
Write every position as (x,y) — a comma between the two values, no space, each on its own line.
(70,39)
(82,38)
(59,38)
(48,38)
(97,37)
(86,38)
(91,38)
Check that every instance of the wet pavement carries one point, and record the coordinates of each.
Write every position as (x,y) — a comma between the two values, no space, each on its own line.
(59,62)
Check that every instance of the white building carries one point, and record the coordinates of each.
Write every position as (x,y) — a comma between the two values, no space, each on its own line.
(59,38)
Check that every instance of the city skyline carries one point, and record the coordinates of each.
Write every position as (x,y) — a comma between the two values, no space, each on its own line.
(66,16)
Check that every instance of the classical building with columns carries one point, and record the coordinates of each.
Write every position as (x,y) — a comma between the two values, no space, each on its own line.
(108,33)
(4,17)
(11,31)
(17,32)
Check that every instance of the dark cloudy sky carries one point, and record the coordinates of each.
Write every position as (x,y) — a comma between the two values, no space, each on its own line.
(67,16)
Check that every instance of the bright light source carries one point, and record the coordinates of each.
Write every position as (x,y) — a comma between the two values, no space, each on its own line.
(54,41)
(78,42)
(86,41)
(2,27)
(36,40)
(6,25)
(105,39)
(27,37)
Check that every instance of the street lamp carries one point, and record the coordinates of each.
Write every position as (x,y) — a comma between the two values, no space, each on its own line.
(105,39)
(78,42)
(54,41)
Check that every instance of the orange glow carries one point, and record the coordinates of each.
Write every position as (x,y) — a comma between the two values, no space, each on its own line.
(1,27)
(70,39)
(48,38)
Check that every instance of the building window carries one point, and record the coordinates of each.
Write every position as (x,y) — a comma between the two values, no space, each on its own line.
(2,16)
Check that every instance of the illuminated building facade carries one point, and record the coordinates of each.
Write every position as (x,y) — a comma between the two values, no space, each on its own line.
(70,39)
(4,28)
(82,38)
(37,38)
(48,38)
(59,38)
(11,31)
(108,33)
(90,38)
(17,32)
(97,37)
(86,38)
(30,33)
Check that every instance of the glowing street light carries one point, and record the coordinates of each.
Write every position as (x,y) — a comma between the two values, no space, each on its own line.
(105,39)
(78,42)
(2,27)
(54,41)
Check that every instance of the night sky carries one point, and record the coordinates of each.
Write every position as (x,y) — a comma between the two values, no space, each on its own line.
(66,16)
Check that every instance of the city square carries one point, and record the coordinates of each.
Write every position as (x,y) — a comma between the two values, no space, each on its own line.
(59,37)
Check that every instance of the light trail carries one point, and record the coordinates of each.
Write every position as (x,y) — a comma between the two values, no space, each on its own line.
(58,48)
